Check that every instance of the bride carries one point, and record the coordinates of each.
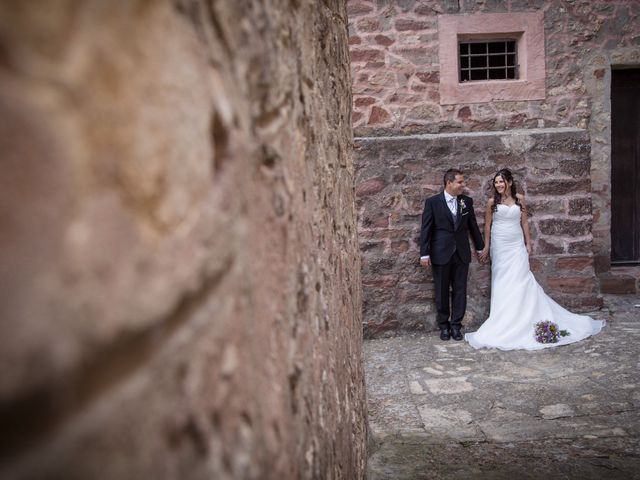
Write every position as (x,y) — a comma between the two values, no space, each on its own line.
(517,300)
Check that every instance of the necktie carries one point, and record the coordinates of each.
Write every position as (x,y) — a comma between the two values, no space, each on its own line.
(452,207)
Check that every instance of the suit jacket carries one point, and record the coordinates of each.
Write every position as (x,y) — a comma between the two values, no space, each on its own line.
(441,236)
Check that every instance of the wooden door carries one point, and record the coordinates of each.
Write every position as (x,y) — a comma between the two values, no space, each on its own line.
(625,166)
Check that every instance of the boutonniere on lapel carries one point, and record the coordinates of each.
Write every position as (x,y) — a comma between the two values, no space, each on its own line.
(462,204)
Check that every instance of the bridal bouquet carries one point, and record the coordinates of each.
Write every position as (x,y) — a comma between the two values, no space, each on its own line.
(548,332)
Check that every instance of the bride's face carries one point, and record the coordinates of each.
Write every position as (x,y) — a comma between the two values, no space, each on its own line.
(500,184)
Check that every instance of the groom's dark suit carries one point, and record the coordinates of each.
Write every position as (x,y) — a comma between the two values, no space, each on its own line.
(445,239)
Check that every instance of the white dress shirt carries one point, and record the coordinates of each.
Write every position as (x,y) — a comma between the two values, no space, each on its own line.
(452,203)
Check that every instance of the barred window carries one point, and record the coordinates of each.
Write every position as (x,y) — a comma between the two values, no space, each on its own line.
(488,60)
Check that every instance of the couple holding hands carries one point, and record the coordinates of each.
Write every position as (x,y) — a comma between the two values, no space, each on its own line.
(518,302)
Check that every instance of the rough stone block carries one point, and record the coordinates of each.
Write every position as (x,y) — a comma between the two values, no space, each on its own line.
(367,55)
(384,40)
(568,284)
(378,115)
(580,206)
(403,25)
(580,246)
(578,168)
(538,206)
(617,284)
(371,187)
(385,328)
(359,8)
(556,186)
(548,246)
(575,264)
(572,228)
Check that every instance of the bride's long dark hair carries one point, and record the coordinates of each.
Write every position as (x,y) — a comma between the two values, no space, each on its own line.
(507,176)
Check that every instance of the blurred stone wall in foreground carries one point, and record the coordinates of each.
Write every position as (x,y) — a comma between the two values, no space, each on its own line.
(179,269)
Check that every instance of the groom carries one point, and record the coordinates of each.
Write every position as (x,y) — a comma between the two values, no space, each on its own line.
(447,220)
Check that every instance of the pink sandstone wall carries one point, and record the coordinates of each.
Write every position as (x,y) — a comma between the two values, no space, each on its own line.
(179,272)
(396,74)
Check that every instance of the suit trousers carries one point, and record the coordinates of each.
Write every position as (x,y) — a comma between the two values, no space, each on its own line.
(451,278)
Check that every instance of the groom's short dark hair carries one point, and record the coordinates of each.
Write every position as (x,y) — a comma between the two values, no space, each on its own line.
(450,175)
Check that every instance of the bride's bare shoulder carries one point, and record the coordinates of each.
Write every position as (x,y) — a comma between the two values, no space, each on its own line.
(490,201)
(520,196)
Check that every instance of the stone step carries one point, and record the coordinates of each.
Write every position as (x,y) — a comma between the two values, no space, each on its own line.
(620,280)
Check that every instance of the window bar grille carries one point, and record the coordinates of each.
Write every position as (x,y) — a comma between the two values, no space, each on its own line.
(470,60)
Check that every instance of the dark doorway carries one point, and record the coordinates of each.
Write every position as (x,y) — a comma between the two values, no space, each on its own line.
(625,166)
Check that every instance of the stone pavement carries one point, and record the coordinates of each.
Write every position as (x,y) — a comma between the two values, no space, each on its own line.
(442,410)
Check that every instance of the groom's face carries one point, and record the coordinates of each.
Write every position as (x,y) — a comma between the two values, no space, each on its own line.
(457,186)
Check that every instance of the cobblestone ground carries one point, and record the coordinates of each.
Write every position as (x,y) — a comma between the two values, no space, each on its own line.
(442,410)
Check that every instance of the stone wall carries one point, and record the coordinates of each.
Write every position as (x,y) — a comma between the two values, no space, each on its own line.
(180,286)
(396,86)
(396,174)
(394,53)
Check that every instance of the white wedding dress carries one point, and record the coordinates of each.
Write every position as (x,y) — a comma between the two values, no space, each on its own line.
(518,302)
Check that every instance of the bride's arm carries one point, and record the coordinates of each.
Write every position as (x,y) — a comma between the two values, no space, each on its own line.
(488,216)
(524,221)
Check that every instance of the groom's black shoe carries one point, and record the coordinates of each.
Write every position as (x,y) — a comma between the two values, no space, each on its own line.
(456,334)
(445,334)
